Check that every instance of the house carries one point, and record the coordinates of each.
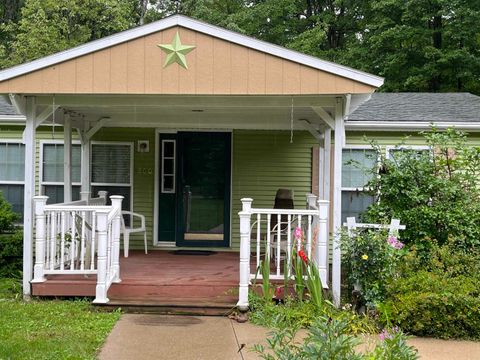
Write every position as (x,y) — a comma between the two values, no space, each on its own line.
(186,123)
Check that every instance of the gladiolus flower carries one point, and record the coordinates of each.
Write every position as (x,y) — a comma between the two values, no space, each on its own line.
(298,233)
(303,256)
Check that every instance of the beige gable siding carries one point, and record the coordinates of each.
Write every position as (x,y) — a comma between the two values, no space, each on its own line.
(215,67)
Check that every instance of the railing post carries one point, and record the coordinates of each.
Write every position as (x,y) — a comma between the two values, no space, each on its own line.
(102,236)
(245,215)
(311,201)
(103,194)
(39,203)
(321,251)
(117,205)
(85,196)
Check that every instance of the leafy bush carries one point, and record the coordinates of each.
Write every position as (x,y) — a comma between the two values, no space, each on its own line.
(11,253)
(436,194)
(7,216)
(370,258)
(330,339)
(439,297)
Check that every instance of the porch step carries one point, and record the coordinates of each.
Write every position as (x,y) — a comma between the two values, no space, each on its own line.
(66,285)
(205,307)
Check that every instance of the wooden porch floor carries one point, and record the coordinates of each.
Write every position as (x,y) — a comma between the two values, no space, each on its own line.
(160,278)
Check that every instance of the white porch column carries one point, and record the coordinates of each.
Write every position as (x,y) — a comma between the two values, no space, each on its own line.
(117,204)
(102,240)
(337,201)
(85,168)
(29,193)
(326,194)
(245,215)
(40,238)
(67,159)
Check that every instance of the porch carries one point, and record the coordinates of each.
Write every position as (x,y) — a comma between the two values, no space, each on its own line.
(161,278)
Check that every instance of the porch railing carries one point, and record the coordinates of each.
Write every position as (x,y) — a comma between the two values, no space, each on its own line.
(79,238)
(268,234)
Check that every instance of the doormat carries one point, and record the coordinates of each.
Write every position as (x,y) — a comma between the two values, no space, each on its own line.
(193,252)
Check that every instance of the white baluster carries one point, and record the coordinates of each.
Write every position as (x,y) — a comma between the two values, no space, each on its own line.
(259,220)
(62,241)
(267,250)
(73,235)
(245,216)
(82,242)
(279,240)
(289,244)
(309,236)
(94,237)
(40,235)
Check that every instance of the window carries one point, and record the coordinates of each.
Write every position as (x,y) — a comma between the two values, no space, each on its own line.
(12,173)
(52,172)
(396,153)
(111,170)
(355,161)
(168,166)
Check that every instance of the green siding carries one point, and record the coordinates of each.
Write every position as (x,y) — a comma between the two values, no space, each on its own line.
(264,161)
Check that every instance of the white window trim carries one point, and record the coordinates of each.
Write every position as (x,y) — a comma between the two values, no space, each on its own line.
(12,182)
(113,143)
(41,183)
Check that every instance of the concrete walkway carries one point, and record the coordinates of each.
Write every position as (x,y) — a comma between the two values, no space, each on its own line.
(140,336)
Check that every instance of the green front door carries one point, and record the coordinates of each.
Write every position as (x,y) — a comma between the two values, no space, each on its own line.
(200,192)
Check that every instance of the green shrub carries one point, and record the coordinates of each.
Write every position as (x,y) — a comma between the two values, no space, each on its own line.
(11,253)
(436,194)
(439,295)
(7,216)
(428,304)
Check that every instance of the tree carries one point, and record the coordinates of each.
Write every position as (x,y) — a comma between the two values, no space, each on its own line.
(49,26)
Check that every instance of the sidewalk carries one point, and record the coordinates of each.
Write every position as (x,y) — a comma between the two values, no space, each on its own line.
(140,336)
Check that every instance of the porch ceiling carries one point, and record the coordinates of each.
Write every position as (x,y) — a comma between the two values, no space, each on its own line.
(207,112)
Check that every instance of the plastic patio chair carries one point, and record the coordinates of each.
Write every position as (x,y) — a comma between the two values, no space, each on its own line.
(127,230)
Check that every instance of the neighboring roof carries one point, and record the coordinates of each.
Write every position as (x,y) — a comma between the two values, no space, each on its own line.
(418,107)
(215,31)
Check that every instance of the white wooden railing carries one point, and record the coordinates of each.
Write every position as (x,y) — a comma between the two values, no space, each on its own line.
(79,238)
(277,241)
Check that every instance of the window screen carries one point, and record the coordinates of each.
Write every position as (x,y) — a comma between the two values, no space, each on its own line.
(12,162)
(111,164)
(355,161)
(53,163)
(354,203)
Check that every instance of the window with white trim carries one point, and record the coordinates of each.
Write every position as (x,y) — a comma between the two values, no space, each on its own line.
(168,166)
(354,178)
(111,170)
(12,173)
(395,153)
(52,175)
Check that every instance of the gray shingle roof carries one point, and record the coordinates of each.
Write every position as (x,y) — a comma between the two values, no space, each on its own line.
(423,107)
(6,108)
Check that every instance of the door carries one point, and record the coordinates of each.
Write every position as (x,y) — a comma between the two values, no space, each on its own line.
(203,183)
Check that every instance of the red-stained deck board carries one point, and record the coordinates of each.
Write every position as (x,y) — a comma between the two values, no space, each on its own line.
(159,277)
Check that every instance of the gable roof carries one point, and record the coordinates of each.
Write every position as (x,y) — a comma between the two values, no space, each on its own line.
(198,26)
(418,107)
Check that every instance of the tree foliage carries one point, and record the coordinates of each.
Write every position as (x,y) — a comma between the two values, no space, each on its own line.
(417,45)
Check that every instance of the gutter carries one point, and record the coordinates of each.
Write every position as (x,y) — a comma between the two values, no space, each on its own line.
(408,125)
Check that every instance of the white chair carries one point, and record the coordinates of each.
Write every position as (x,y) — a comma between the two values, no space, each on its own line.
(127,230)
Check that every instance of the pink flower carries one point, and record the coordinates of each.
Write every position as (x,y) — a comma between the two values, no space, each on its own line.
(298,233)
(394,242)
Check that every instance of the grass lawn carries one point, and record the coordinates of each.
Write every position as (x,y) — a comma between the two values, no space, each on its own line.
(50,329)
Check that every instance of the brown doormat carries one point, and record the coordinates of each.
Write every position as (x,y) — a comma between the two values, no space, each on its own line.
(193,252)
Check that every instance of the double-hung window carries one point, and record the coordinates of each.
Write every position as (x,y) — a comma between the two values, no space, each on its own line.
(396,153)
(52,171)
(111,170)
(12,173)
(355,162)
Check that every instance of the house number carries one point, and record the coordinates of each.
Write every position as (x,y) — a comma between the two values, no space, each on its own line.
(144,171)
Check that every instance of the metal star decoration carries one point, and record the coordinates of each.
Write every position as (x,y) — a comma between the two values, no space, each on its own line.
(176,52)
